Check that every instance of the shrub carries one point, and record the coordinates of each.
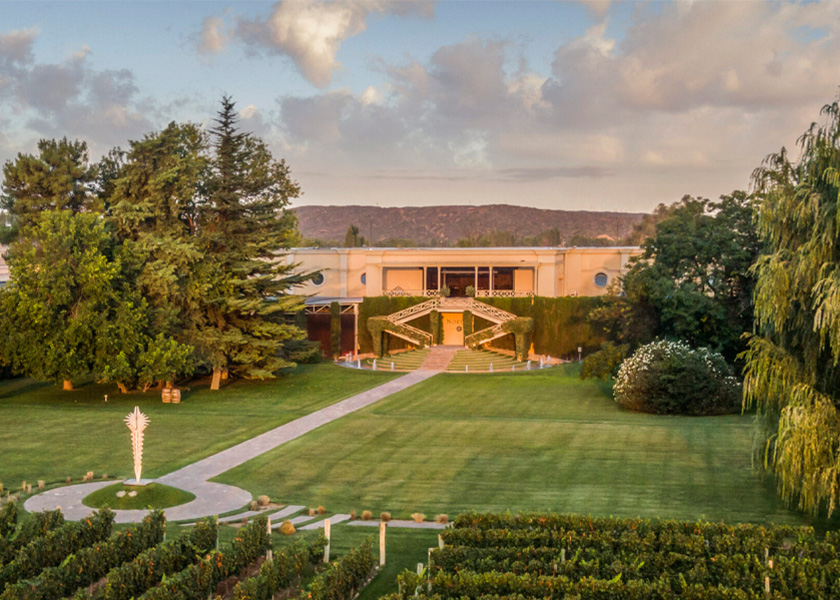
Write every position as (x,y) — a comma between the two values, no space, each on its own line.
(8,519)
(263,500)
(418,517)
(442,518)
(666,377)
(254,505)
(353,514)
(366,515)
(287,528)
(322,510)
(604,363)
(311,512)
(384,517)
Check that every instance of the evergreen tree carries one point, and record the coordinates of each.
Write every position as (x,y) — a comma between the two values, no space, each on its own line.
(352,239)
(793,375)
(154,195)
(60,177)
(245,228)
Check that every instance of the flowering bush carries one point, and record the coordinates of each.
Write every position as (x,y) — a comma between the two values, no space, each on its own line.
(669,378)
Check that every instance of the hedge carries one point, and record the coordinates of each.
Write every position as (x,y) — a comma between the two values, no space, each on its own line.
(335,328)
(90,564)
(561,325)
(35,527)
(51,549)
(377,326)
(378,306)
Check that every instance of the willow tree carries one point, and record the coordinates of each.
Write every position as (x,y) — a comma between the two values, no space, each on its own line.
(793,360)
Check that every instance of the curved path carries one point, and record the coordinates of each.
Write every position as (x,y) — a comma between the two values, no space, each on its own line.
(216,498)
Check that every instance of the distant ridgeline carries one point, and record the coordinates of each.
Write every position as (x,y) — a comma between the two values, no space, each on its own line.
(490,225)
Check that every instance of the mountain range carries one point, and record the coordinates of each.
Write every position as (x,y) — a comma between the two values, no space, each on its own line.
(446,225)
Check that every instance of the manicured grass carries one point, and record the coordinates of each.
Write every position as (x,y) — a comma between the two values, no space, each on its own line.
(153,495)
(50,434)
(529,441)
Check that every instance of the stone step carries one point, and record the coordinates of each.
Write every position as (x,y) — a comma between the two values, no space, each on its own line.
(335,519)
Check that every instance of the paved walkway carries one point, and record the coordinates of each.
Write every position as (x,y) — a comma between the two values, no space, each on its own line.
(439,357)
(216,498)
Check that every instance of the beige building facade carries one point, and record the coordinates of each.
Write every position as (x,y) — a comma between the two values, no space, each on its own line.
(551,272)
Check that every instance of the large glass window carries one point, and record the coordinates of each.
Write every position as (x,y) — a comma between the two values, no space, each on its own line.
(458,279)
(483,278)
(502,278)
(432,278)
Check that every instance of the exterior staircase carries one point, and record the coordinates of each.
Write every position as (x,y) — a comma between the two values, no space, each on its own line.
(413,335)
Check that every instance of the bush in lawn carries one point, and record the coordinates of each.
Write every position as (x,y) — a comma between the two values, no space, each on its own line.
(418,517)
(666,377)
(384,517)
(287,528)
(604,363)
(367,515)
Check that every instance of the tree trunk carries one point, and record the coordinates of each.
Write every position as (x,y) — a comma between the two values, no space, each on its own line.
(123,389)
(217,377)
(67,385)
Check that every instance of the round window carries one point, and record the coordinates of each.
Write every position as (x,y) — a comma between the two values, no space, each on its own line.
(364,278)
(601,280)
(318,279)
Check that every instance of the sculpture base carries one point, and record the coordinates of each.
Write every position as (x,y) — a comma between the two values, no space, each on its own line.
(135,483)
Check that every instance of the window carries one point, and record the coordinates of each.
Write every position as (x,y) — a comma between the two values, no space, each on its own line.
(318,279)
(601,280)
(363,278)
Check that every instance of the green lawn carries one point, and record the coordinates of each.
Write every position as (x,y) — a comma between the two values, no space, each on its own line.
(50,434)
(534,441)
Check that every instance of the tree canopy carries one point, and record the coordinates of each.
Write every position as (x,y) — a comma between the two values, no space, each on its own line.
(793,376)
(693,281)
(158,260)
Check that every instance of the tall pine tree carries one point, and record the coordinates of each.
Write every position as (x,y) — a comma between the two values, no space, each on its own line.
(245,228)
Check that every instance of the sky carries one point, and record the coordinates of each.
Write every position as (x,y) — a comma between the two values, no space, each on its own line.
(589,105)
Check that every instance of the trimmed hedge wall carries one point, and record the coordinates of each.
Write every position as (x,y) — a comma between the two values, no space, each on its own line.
(560,324)
(378,306)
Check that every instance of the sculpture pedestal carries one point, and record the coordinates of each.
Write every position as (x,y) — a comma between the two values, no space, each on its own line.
(135,483)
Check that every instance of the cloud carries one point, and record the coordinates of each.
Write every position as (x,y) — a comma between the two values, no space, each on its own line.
(309,32)
(16,47)
(689,100)
(598,8)
(68,98)
(214,37)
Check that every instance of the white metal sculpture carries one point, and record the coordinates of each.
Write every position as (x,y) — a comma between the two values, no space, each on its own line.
(137,423)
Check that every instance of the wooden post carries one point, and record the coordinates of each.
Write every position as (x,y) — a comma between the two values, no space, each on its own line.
(563,555)
(269,556)
(767,586)
(440,541)
(327,546)
(382,526)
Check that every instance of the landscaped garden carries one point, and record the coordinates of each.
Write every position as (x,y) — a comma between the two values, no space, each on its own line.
(49,434)
(529,441)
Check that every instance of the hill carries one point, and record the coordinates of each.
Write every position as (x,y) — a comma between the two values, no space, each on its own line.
(446,225)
